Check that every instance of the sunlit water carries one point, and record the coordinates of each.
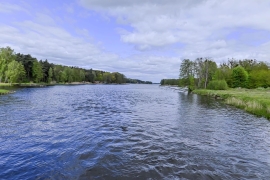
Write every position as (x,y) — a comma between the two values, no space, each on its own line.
(128,132)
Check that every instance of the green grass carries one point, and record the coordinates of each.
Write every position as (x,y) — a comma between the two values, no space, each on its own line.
(3,91)
(255,101)
(5,84)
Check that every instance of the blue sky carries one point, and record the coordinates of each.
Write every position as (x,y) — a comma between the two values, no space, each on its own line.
(145,39)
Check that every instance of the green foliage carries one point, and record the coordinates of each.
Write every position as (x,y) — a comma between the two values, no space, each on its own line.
(259,78)
(239,77)
(37,71)
(197,73)
(107,77)
(246,73)
(191,86)
(14,71)
(82,75)
(217,85)
(137,81)
(30,69)
(7,55)
(4,91)
(50,75)
(173,82)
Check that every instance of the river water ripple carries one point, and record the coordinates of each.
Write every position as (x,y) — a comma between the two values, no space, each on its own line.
(128,132)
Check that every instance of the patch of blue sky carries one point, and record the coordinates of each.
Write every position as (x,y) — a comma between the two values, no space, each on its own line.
(249,36)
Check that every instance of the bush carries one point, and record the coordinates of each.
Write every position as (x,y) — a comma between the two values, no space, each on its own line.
(217,85)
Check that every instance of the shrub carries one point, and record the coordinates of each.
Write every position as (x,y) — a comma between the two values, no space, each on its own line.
(217,85)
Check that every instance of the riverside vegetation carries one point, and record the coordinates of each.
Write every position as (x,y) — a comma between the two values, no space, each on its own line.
(242,83)
(255,101)
(3,91)
(25,69)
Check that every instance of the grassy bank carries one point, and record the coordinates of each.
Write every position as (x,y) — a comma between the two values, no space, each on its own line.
(3,91)
(5,84)
(255,101)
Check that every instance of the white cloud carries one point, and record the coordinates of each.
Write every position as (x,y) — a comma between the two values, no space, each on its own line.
(201,25)
(49,41)
(180,28)
(9,8)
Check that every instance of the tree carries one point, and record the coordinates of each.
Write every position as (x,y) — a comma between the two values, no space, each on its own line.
(27,61)
(90,76)
(14,71)
(239,77)
(69,74)
(259,78)
(107,77)
(7,55)
(63,76)
(37,72)
(50,73)
(82,75)
(187,72)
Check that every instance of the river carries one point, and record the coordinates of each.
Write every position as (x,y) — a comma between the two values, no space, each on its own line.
(128,132)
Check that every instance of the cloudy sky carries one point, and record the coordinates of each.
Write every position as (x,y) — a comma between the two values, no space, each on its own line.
(145,39)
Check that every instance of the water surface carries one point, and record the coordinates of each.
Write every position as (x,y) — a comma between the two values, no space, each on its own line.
(128,132)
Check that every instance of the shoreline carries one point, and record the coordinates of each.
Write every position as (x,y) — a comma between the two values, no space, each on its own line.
(254,101)
(4,92)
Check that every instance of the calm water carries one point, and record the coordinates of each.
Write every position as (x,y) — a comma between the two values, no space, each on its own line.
(128,132)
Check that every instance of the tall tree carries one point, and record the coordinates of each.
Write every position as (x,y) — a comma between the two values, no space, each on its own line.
(239,77)
(50,75)
(15,71)
(37,72)
(7,55)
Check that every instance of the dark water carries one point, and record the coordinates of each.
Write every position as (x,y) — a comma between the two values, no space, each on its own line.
(128,132)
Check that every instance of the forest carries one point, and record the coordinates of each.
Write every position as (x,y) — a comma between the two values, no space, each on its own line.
(204,73)
(21,68)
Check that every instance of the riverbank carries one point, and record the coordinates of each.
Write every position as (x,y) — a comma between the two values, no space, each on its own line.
(255,101)
(4,91)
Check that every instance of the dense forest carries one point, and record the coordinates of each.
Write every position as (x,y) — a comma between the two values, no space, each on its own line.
(205,73)
(21,68)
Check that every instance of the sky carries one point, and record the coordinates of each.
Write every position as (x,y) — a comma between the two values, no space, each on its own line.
(143,39)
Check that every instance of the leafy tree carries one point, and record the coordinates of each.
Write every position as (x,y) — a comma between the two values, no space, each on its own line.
(14,71)
(7,55)
(27,61)
(107,77)
(37,71)
(63,76)
(259,78)
(82,75)
(50,73)
(69,74)
(99,76)
(239,77)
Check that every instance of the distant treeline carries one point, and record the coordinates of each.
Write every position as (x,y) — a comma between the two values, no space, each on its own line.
(137,81)
(205,73)
(21,68)
(169,82)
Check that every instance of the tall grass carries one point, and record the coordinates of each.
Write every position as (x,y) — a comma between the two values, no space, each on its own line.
(255,101)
